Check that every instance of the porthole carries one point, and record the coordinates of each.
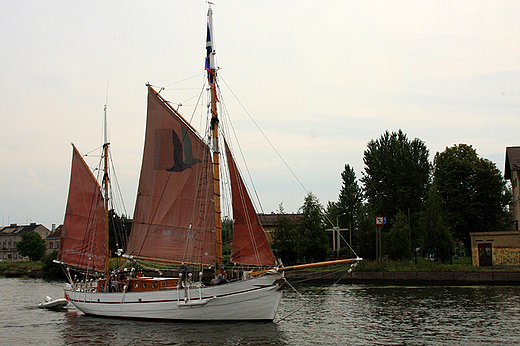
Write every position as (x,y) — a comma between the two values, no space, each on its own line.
(136,285)
(153,285)
(144,285)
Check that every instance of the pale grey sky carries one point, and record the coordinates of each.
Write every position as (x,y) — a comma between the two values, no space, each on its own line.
(321,78)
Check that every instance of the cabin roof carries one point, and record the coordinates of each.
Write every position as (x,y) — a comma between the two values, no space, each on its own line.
(512,161)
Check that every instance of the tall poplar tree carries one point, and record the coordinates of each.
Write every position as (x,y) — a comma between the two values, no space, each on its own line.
(350,197)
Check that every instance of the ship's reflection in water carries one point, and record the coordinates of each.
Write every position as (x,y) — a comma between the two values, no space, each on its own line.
(88,330)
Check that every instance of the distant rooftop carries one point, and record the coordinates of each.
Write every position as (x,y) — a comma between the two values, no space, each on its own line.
(512,161)
(18,229)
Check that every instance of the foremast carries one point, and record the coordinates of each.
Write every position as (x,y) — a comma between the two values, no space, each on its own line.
(212,74)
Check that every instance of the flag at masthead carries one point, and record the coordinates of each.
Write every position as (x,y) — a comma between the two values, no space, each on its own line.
(210,49)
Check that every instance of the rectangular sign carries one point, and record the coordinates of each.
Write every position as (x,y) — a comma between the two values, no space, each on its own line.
(380,220)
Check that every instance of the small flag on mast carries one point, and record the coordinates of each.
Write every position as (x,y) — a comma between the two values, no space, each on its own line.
(210,52)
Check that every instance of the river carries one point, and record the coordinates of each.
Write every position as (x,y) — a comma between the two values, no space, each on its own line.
(314,315)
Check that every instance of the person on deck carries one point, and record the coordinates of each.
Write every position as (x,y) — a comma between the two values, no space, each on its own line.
(115,285)
(221,278)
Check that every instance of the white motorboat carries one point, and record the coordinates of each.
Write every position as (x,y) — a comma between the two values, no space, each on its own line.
(53,304)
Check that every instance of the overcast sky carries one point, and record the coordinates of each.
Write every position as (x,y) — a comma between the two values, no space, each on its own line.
(321,79)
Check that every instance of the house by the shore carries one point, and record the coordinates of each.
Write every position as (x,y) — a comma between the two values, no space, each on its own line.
(12,234)
(502,248)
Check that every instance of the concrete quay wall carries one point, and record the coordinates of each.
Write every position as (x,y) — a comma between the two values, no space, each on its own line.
(406,278)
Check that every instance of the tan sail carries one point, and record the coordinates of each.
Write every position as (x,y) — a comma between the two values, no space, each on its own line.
(174,213)
(250,245)
(83,235)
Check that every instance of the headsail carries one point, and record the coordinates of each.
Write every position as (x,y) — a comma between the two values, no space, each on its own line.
(83,236)
(174,213)
(250,245)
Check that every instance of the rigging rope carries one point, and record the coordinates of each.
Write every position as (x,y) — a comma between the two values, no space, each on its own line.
(266,138)
(305,300)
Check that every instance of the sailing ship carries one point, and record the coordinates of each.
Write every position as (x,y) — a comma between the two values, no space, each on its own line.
(177,220)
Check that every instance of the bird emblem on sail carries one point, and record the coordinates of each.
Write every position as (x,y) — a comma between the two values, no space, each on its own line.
(182,152)
(174,151)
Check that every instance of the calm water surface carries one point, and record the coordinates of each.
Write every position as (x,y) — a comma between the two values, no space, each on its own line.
(325,315)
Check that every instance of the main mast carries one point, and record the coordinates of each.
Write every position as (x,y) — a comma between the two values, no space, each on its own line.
(212,74)
(105,191)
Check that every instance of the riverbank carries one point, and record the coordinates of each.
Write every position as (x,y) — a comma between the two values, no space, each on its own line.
(408,278)
(18,269)
(389,273)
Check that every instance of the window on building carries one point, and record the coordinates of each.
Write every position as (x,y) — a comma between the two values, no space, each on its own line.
(50,245)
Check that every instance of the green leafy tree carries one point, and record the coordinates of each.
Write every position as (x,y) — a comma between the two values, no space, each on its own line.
(303,241)
(397,174)
(227,238)
(51,270)
(349,200)
(227,230)
(118,231)
(344,212)
(285,238)
(473,190)
(365,245)
(436,237)
(312,245)
(31,245)
(397,241)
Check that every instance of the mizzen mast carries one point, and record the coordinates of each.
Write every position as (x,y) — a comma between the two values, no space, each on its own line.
(212,74)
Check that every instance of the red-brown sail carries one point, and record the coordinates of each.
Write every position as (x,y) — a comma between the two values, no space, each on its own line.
(83,235)
(250,245)
(174,213)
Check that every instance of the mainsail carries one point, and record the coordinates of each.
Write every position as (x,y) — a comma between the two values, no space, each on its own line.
(83,235)
(174,214)
(250,245)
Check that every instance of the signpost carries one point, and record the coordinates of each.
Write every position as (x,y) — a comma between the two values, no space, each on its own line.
(380,221)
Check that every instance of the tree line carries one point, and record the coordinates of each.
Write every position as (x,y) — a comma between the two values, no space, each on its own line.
(430,207)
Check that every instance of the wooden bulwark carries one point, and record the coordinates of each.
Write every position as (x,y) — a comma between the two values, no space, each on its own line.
(142,284)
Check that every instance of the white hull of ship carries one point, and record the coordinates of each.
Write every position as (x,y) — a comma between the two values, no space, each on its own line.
(254,299)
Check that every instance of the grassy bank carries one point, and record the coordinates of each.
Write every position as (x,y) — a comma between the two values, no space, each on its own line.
(461,264)
(24,267)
